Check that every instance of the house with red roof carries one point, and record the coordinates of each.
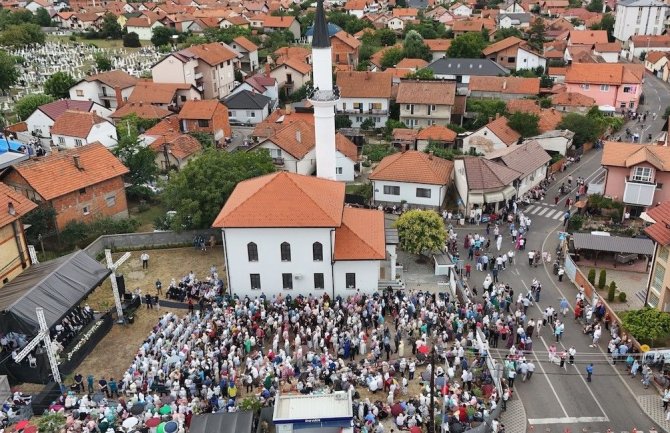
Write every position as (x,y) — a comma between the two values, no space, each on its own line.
(79,128)
(309,244)
(14,249)
(249,52)
(658,286)
(90,183)
(39,123)
(614,86)
(417,178)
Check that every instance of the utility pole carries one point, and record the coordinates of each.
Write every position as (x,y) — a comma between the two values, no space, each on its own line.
(431,426)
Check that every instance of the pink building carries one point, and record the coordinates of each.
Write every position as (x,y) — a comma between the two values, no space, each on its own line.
(614,86)
(636,173)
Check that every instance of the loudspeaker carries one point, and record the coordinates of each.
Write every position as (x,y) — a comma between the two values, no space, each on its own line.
(121,284)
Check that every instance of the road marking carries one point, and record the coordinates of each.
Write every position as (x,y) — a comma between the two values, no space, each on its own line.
(568,420)
(536,210)
(559,216)
(530,208)
(553,213)
(544,210)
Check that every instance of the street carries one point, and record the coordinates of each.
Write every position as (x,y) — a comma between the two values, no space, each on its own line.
(557,399)
(657,99)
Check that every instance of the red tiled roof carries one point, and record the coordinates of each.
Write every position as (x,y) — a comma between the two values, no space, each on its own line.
(357,84)
(245,43)
(361,235)
(619,154)
(143,111)
(213,53)
(180,145)
(437,133)
(659,231)
(485,175)
(113,79)
(22,205)
(295,200)
(200,110)
(507,85)
(75,123)
(603,73)
(588,37)
(55,109)
(506,134)
(415,167)
(502,45)
(97,164)
(156,93)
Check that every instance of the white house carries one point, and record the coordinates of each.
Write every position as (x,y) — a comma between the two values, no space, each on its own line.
(480,182)
(78,128)
(396,24)
(529,59)
(109,89)
(529,159)
(247,107)
(143,26)
(249,52)
(492,136)
(39,123)
(292,149)
(365,95)
(416,178)
(309,244)
(554,141)
(460,9)
(639,17)
(261,84)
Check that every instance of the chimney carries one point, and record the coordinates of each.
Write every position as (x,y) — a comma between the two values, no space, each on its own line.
(10,208)
(497,115)
(119,97)
(490,119)
(504,84)
(430,155)
(288,109)
(76,161)
(267,70)
(298,136)
(367,75)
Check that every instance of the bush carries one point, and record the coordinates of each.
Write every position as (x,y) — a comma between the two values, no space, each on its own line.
(602,279)
(575,223)
(80,234)
(592,277)
(622,296)
(611,292)
(131,40)
(377,152)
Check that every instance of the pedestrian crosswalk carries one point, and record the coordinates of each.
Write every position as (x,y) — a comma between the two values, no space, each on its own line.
(544,211)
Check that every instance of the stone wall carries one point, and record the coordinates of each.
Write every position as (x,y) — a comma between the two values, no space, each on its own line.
(148,240)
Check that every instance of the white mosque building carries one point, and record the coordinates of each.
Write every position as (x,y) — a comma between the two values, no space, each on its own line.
(292,234)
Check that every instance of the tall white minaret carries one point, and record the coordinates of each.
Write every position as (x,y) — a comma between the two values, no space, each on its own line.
(324,97)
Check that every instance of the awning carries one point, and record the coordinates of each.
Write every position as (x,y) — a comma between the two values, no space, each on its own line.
(639,194)
(476,198)
(606,108)
(509,192)
(613,244)
(57,286)
(226,422)
(494,197)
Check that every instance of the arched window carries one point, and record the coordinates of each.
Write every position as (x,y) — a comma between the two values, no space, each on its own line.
(252,252)
(285,252)
(317,251)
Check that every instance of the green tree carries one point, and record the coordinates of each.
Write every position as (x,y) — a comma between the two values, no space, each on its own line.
(58,85)
(367,124)
(342,121)
(414,47)
(139,159)
(103,63)
(602,279)
(421,232)
(110,27)
(365,52)
(537,34)
(51,423)
(586,129)
(386,37)
(592,276)
(375,152)
(42,221)
(198,192)
(505,33)
(526,124)
(42,18)
(611,292)
(161,36)
(421,74)
(595,6)
(666,113)
(204,138)
(215,34)
(485,110)
(647,324)
(392,56)
(9,74)
(131,40)
(467,46)
(25,106)
(442,152)
(19,35)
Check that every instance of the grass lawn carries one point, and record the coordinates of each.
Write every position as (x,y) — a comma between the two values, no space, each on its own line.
(100,43)
(148,216)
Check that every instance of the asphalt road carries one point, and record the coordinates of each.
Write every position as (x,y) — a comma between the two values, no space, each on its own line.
(657,99)
(560,400)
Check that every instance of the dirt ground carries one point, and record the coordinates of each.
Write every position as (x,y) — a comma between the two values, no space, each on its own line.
(113,355)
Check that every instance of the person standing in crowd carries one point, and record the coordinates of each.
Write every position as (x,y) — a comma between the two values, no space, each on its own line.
(145,260)
(589,372)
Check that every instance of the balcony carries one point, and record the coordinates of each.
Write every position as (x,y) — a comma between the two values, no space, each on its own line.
(278,161)
(362,111)
(106,96)
(197,76)
(639,193)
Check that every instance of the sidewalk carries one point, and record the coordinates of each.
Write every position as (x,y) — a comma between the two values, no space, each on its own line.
(514,417)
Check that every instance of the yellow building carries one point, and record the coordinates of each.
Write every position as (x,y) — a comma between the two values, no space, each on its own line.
(658,286)
(14,256)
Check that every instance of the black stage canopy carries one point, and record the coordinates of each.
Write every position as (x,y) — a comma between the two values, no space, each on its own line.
(225,422)
(56,286)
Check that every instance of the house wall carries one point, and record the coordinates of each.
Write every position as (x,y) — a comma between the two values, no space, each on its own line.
(38,121)
(533,179)
(298,79)
(420,118)
(526,60)
(347,166)
(395,24)
(659,283)
(506,57)
(343,54)
(438,55)
(249,116)
(269,264)
(555,144)
(615,182)
(305,166)
(460,180)
(367,276)
(85,91)
(608,57)
(634,52)
(144,33)
(13,260)
(499,95)
(357,116)
(650,21)
(602,97)
(483,141)
(408,193)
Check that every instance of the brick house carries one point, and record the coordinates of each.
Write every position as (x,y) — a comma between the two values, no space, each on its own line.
(209,116)
(345,49)
(89,183)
